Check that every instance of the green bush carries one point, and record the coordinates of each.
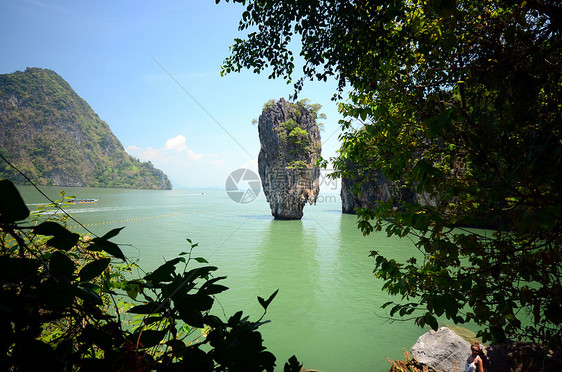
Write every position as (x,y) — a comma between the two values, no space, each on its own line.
(59,308)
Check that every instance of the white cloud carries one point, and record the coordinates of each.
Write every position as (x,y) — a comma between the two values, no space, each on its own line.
(146,154)
(188,168)
(193,155)
(183,165)
(175,151)
(177,143)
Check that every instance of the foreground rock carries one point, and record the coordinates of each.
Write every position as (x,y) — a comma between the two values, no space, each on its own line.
(290,145)
(517,356)
(442,350)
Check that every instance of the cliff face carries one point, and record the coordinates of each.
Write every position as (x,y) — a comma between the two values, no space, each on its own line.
(376,189)
(54,137)
(290,145)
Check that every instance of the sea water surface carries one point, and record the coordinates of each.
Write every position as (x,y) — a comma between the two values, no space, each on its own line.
(327,311)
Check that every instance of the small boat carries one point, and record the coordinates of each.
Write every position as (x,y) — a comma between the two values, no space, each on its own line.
(82,201)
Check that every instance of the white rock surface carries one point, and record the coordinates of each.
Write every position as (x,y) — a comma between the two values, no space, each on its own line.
(442,350)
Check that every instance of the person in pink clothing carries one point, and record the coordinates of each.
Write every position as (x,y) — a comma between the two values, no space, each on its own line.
(474,363)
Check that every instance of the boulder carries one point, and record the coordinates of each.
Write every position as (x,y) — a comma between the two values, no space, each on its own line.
(516,356)
(442,350)
(290,146)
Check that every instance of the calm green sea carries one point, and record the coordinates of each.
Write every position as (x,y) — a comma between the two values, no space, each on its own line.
(327,311)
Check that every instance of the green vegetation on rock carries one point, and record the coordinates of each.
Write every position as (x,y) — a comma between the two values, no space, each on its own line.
(54,137)
(294,137)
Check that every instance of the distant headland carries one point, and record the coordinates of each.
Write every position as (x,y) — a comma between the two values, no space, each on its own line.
(55,138)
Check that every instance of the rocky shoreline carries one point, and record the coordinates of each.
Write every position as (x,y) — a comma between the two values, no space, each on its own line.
(445,351)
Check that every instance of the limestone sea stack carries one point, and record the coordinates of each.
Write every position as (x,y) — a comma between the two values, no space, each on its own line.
(290,145)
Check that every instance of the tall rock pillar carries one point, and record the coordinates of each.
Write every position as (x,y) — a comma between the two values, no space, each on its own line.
(290,145)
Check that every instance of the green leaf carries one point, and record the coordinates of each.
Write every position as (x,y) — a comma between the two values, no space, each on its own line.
(191,308)
(62,238)
(265,303)
(93,269)
(432,321)
(50,228)
(112,233)
(88,295)
(553,312)
(200,272)
(387,304)
(211,288)
(164,272)
(199,302)
(215,289)
(64,243)
(178,347)
(107,246)
(451,306)
(150,308)
(12,206)
(466,284)
(438,305)
(148,338)
(152,319)
(292,365)
(214,321)
(394,309)
(61,264)
(192,317)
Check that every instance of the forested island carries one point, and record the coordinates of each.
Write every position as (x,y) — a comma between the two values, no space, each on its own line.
(55,138)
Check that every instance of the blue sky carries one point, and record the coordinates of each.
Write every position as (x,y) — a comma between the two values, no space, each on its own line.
(119,55)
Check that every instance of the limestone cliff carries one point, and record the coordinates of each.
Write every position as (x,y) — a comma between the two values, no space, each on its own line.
(373,189)
(290,145)
(55,138)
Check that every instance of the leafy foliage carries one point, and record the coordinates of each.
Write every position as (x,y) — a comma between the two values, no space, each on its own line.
(297,133)
(294,137)
(59,311)
(55,138)
(409,364)
(460,101)
(314,108)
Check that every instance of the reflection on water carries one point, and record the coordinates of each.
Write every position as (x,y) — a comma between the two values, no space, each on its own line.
(287,262)
(327,311)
